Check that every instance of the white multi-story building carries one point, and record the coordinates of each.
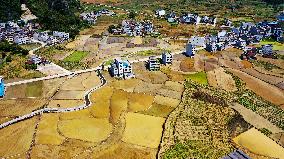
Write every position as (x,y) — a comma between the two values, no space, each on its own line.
(122,69)
(167,58)
(153,64)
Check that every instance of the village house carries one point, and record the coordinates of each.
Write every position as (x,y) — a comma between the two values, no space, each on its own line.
(167,58)
(62,35)
(227,23)
(220,46)
(190,50)
(106,12)
(90,17)
(241,43)
(153,64)
(267,49)
(197,41)
(2,87)
(172,18)
(133,28)
(211,39)
(222,36)
(24,32)
(160,13)
(249,53)
(121,69)
(190,18)
(208,20)
(22,40)
(211,47)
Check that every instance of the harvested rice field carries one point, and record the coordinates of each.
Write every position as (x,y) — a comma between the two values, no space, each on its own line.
(252,137)
(143,130)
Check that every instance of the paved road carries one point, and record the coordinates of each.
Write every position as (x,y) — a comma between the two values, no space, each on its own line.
(86,104)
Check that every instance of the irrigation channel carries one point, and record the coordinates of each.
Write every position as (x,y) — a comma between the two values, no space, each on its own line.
(87,103)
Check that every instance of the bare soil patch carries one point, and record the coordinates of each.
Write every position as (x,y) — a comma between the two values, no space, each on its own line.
(126,85)
(175,86)
(54,151)
(146,87)
(170,93)
(187,65)
(264,77)
(19,107)
(64,103)
(267,91)
(69,95)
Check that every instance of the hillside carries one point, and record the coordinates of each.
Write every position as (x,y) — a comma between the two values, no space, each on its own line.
(259,9)
(61,15)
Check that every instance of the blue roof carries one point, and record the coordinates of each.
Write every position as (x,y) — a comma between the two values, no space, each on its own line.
(126,64)
(2,88)
(281,17)
(238,154)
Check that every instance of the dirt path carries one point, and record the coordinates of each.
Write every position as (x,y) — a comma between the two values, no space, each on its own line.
(255,119)
(267,91)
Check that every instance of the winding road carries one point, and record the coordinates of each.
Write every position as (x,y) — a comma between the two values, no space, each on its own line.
(87,103)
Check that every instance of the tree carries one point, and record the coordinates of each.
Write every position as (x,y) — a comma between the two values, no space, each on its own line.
(110,28)
(132,15)
(10,10)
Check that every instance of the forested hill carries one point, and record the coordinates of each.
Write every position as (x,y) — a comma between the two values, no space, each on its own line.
(10,9)
(60,15)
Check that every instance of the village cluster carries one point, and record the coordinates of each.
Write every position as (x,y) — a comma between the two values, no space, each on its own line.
(187,18)
(241,37)
(134,28)
(22,32)
(91,17)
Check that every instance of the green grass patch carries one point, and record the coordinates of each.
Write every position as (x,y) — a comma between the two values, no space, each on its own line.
(109,62)
(76,56)
(200,77)
(34,89)
(30,46)
(276,45)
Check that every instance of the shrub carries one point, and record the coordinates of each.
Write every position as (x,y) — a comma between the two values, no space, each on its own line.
(265,131)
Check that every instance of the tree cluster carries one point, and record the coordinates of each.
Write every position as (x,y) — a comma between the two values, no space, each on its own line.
(59,15)
(10,10)
(13,49)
